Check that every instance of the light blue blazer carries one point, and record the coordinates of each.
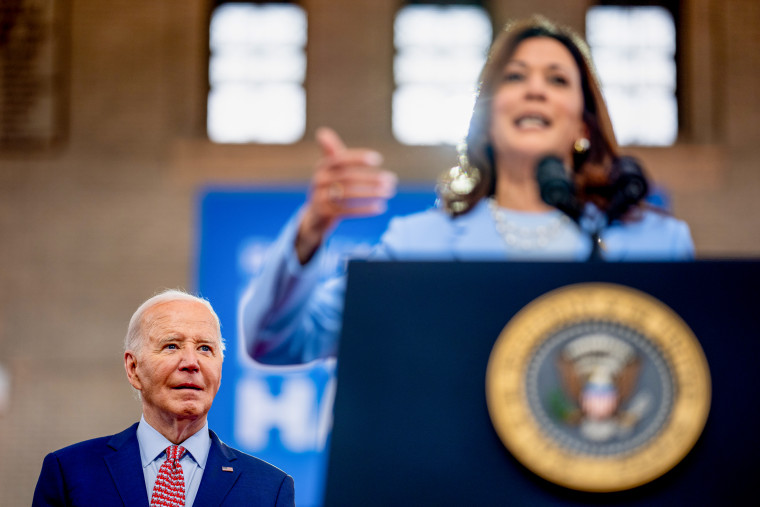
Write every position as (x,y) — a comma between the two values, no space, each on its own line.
(289,316)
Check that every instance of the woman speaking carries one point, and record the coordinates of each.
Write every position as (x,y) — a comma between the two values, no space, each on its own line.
(539,100)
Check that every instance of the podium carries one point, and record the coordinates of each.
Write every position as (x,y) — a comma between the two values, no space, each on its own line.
(411,421)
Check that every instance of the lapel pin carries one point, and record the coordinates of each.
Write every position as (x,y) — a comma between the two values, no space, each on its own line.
(226,469)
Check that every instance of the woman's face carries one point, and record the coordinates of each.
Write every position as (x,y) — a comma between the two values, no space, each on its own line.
(537,108)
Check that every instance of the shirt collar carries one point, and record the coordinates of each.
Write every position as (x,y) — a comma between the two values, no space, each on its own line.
(153,444)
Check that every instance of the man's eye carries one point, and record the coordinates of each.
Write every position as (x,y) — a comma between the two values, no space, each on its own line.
(205,348)
(172,346)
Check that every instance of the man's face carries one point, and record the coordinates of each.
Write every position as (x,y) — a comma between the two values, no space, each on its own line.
(178,369)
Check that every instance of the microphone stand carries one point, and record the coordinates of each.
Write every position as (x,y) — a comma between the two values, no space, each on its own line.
(628,188)
(596,250)
(557,190)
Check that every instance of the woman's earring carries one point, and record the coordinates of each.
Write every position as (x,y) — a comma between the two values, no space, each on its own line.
(581,145)
(455,185)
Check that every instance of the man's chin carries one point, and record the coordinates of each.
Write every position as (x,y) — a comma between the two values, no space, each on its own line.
(190,408)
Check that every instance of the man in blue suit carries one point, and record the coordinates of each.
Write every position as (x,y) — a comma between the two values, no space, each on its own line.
(173,357)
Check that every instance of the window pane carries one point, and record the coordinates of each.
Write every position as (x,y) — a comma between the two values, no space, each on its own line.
(440,51)
(634,52)
(256,73)
(267,113)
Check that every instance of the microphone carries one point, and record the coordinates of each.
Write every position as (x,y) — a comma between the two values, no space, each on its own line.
(557,188)
(628,188)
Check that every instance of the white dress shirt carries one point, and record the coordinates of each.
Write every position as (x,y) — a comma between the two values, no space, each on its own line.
(153,453)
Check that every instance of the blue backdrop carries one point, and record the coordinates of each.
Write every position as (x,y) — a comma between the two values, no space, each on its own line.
(280,414)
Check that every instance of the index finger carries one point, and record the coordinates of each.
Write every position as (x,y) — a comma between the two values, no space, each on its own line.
(330,142)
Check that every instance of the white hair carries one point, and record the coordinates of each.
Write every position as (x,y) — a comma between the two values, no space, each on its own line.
(134,339)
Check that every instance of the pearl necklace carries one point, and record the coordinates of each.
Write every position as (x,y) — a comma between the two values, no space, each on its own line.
(525,238)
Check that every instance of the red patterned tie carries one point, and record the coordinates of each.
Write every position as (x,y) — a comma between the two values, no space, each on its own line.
(169,490)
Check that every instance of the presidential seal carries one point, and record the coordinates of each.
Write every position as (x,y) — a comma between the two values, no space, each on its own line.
(598,387)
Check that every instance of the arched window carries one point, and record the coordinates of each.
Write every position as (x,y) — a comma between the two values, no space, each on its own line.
(440,50)
(257,67)
(634,51)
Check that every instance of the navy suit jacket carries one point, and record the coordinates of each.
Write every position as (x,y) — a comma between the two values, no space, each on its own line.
(107,471)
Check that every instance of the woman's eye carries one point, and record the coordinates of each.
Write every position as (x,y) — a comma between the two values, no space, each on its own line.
(558,80)
(512,76)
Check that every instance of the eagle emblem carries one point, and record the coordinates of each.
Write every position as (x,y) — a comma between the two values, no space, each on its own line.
(597,387)
(599,375)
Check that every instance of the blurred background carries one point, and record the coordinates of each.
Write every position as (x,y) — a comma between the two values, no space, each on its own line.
(114,115)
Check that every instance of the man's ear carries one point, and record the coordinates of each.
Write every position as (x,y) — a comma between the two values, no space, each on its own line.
(130,364)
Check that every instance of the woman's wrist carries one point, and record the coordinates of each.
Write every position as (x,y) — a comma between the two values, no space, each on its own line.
(311,233)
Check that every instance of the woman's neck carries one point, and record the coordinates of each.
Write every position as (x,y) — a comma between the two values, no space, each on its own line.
(517,188)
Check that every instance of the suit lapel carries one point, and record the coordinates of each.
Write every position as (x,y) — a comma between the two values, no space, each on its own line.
(216,483)
(125,468)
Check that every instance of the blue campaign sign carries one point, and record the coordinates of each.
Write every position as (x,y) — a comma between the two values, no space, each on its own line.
(282,415)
